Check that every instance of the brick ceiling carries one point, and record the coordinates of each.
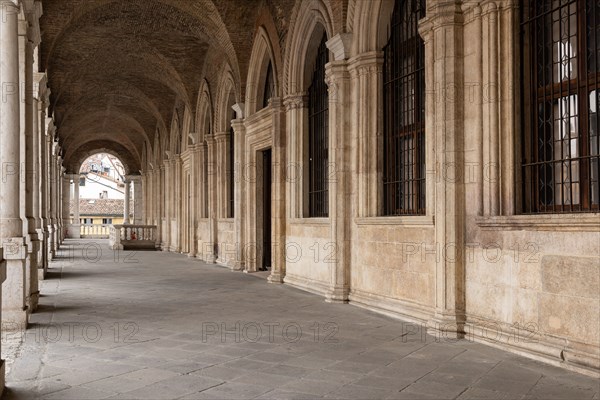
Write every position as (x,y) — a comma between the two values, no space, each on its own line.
(117,69)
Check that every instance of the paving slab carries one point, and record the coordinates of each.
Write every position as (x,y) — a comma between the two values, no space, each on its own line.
(170,327)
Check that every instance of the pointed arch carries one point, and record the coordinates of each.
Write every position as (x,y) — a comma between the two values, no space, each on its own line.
(309,20)
(370,23)
(204,112)
(263,55)
(227,96)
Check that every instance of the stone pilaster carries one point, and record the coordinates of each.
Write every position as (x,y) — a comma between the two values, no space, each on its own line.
(42,170)
(442,31)
(126,212)
(51,187)
(66,203)
(176,217)
(193,199)
(138,200)
(14,306)
(295,105)
(366,72)
(239,191)
(31,177)
(278,200)
(340,192)
(59,201)
(75,226)
(164,197)
(208,250)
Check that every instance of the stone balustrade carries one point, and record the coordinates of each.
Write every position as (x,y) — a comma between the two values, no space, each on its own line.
(133,237)
(91,231)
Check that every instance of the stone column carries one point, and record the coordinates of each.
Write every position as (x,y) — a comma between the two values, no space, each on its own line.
(58,221)
(340,192)
(51,186)
(366,72)
(14,306)
(32,205)
(239,190)
(66,203)
(209,249)
(126,212)
(202,194)
(75,226)
(194,187)
(221,166)
(296,105)
(222,188)
(176,206)
(279,192)
(442,31)
(164,205)
(42,178)
(138,200)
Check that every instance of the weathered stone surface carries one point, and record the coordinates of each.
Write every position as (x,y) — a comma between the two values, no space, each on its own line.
(375,363)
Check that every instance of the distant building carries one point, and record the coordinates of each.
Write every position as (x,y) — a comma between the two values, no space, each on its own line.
(100,211)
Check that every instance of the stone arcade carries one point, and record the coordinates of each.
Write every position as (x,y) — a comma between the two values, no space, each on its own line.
(435,161)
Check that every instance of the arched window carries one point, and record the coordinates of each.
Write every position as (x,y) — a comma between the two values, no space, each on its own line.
(269,85)
(561,90)
(404,112)
(318,136)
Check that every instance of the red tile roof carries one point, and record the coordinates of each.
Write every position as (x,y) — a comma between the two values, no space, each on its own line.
(100,207)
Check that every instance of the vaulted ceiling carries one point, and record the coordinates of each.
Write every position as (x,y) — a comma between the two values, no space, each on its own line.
(117,69)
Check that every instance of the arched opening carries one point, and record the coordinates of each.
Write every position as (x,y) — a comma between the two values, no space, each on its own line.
(318,132)
(98,194)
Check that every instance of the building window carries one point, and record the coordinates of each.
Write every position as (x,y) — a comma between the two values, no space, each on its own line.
(231,174)
(107,221)
(82,181)
(318,137)
(87,221)
(561,84)
(269,86)
(404,112)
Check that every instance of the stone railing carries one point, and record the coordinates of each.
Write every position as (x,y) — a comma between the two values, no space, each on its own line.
(132,237)
(91,231)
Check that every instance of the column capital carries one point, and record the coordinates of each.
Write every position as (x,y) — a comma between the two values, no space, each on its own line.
(366,63)
(220,137)
(133,178)
(10,5)
(296,100)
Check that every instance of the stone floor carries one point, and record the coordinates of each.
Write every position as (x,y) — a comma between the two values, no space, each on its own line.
(153,325)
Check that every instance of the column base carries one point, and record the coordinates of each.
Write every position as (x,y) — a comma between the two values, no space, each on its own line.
(337,295)
(237,266)
(34,299)
(275,277)
(15,320)
(448,326)
(74,231)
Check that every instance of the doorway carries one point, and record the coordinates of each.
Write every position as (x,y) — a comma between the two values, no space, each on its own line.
(266,211)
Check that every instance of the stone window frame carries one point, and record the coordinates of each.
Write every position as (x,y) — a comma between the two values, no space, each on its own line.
(312,20)
(529,203)
(371,26)
(419,145)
